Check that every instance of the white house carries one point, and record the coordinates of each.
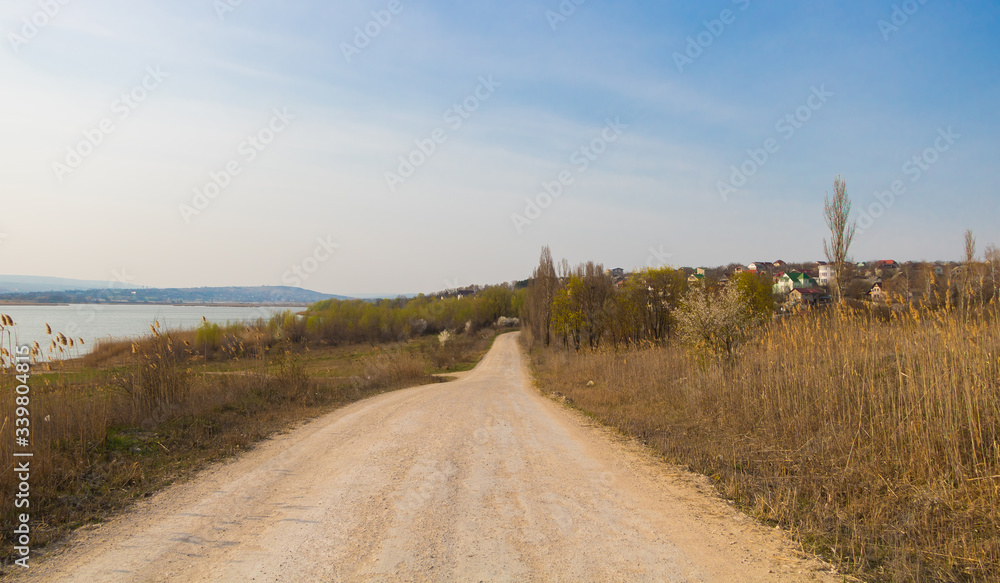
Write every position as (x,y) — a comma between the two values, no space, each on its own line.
(826,274)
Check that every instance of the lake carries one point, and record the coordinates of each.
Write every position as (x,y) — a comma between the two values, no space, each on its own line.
(94,322)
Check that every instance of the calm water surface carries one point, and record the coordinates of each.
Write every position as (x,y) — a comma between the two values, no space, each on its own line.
(96,322)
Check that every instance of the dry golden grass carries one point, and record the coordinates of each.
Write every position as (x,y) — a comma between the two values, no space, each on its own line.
(877,441)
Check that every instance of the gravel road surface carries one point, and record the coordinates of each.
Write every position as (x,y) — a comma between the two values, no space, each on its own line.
(479,479)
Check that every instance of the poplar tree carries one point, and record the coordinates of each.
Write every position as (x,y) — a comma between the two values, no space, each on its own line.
(837,212)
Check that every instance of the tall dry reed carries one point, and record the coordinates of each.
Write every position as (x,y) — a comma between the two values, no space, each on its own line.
(877,440)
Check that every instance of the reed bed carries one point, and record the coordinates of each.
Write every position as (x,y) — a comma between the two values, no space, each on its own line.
(876,440)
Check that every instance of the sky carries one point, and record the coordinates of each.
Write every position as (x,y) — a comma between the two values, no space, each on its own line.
(389,146)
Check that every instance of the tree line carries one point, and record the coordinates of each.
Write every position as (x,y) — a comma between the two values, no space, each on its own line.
(584,307)
(388,320)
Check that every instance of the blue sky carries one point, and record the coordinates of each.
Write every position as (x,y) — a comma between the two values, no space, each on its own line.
(609,104)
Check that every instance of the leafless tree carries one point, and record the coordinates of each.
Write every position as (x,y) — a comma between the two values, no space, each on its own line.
(970,248)
(837,211)
(596,292)
(538,304)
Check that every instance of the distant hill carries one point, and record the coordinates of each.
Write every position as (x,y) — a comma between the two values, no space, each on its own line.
(34,283)
(274,295)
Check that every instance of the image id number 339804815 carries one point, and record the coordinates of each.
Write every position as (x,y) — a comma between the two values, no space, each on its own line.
(22,455)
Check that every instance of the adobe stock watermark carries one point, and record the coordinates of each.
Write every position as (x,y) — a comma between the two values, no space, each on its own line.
(225,7)
(454,118)
(915,168)
(161,413)
(581,160)
(247,151)
(20,466)
(713,29)
(300,272)
(32,25)
(899,17)
(275,296)
(437,309)
(364,35)
(121,109)
(427,479)
(658,258)
(786,126)
(563,12)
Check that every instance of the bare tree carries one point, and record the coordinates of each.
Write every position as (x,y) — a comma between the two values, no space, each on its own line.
(537,311)
(837,212)
(596,291)
(970,247)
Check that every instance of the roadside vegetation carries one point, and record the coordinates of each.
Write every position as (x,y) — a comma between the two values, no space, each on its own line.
(872,432)
(133,416)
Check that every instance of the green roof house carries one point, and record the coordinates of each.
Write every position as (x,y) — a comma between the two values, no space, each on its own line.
(793,280)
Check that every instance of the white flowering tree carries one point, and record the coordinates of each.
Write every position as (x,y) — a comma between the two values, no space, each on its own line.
(716,323)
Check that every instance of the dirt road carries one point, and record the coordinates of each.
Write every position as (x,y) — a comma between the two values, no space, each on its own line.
(480,479)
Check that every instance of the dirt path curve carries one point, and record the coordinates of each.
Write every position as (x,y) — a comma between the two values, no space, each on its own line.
(480,479)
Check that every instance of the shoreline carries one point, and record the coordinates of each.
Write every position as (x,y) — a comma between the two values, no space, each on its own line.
(181,304)
(134,322)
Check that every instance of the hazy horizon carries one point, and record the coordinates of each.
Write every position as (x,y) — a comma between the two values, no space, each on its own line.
(448,286)
(379,145)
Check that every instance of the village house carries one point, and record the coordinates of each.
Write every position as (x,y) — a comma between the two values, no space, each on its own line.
(885,268)
(807,296)
(618,277)
(792,280)
(877,293)
(826,272)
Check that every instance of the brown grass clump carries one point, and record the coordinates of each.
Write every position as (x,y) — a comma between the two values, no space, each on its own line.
(393,369)
(449,352)
(209,342)
(876,440)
